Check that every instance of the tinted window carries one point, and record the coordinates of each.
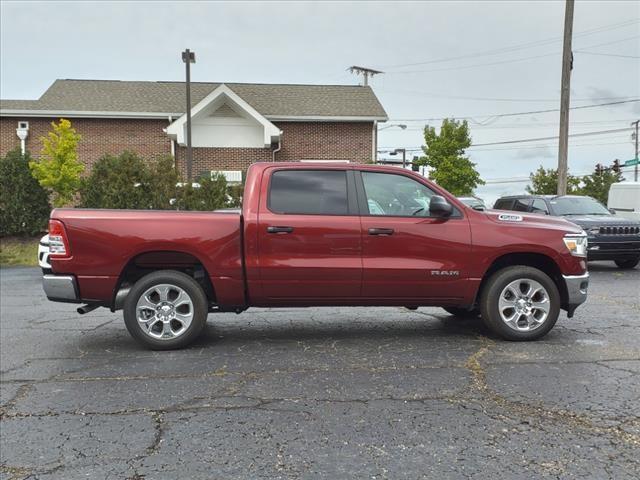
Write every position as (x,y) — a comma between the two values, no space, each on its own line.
(539,206)
(397,195)
(314,192)
(521,205)
(503,204)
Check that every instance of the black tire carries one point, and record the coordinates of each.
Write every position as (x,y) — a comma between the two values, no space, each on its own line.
(462,312)
(491,294)
(627,263)
(174,278)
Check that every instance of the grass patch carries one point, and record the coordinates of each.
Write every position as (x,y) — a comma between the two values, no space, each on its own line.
(19,251)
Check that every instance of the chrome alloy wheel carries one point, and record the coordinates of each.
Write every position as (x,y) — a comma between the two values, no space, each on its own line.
(164,311)
(524,305)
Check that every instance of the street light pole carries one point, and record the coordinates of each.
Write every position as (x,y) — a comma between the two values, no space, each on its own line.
(189,57)
(404,155)
(635,169)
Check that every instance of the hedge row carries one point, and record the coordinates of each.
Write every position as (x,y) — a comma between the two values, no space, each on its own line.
(123,181)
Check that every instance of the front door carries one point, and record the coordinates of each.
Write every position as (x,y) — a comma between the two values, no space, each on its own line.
(408,255)
(309,239)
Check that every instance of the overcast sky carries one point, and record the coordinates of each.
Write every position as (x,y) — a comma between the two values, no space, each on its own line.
(462,59)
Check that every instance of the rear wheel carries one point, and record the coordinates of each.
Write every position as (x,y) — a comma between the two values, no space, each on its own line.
(165,310)
(520,303)
(463,312)
(627,263)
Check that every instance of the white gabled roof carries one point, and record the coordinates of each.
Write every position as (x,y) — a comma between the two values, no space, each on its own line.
(223,95)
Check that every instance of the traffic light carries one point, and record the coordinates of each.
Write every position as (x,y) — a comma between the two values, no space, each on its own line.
(616,166)
(599,169)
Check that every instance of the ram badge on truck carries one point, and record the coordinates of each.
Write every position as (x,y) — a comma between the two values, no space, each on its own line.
(318,235)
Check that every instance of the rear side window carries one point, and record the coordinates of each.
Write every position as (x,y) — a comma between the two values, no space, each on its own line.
(521,205)
(503,204)
(309,192)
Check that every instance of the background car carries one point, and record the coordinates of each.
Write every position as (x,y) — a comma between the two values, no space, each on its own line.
(474,202)
(610,237)
(43,254)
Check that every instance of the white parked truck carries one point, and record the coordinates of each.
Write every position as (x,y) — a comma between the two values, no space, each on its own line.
(624,199)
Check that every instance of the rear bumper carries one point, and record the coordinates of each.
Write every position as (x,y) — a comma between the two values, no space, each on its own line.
(577,286)
(61,288)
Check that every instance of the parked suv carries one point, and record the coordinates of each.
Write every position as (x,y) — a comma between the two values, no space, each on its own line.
(610,237)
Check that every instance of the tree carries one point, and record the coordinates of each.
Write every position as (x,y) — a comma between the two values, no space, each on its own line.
(118,182)
(445,154)
(545,182)
(597,184)
(59,169)
(24,206)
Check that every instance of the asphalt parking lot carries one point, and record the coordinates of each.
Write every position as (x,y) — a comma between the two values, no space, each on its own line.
(321,393)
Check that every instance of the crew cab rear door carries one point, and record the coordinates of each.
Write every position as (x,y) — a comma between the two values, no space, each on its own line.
(406,253)
(309,239)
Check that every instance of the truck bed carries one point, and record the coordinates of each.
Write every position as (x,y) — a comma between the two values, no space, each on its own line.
(104,242)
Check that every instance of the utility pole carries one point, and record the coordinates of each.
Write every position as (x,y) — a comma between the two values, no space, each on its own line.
(565,93)
(365,72)
(189,57)
(635,169)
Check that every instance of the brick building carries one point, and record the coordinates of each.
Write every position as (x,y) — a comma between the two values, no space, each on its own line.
(233,125)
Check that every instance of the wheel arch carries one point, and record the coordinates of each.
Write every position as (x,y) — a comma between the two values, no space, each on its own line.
(149,261)
(536,260)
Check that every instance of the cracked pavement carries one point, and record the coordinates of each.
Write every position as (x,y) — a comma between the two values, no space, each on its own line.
(320,393)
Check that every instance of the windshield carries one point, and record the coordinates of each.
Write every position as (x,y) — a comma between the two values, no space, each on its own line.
(578,206)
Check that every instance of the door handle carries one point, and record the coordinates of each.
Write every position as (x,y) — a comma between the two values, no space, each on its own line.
(381,231)
(279,230)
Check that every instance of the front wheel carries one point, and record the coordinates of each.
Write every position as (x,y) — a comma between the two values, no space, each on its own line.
(627,263)
(165,310)
(520,303)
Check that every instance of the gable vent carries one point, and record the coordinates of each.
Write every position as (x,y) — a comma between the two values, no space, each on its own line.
(225,111)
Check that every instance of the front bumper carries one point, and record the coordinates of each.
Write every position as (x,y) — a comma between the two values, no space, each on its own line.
(577,286)
(61,288)
(612,248)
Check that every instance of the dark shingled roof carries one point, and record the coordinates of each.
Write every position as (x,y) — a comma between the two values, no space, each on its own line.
(169,97)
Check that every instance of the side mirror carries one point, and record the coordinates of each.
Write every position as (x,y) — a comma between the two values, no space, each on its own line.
(612,211)
(479,208)
(439,207)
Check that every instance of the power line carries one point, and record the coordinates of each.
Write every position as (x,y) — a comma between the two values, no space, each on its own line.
(544,146)
(492,99)
(606,54)
(501,62)
(585,134)
(538,139)
(502,115)
(516,47)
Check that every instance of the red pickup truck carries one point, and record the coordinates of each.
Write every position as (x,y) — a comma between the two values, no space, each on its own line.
(313,235)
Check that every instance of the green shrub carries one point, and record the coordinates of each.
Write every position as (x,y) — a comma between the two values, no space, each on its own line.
(128,181)
(117,182)
(24,205)
(161,183)
(210,195)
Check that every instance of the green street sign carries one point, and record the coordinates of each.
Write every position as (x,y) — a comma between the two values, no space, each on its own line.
(633,161)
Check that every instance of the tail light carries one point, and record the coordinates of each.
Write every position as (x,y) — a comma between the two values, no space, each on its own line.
(58,242)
